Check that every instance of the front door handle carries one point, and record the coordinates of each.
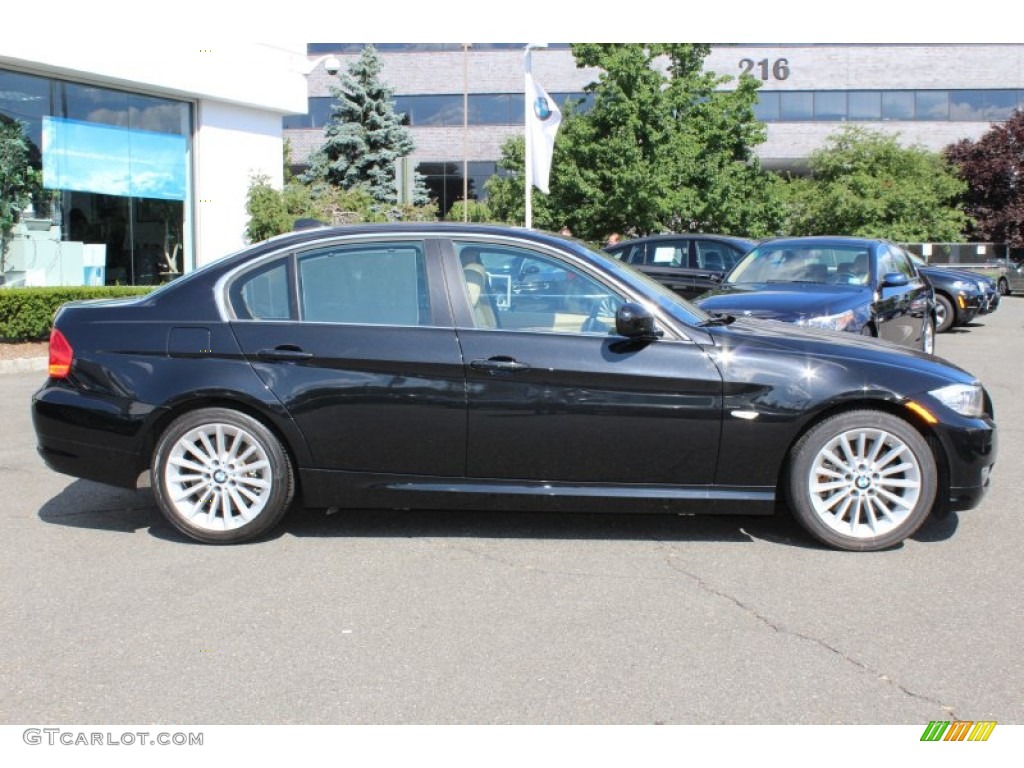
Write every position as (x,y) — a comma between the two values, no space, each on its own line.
(284,352)
(499,365)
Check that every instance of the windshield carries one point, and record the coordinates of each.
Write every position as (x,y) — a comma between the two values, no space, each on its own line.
(797,263)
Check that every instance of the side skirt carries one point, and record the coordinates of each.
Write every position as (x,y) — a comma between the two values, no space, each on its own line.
(356,490)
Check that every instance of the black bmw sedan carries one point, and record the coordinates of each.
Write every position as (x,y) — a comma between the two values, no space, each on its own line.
(395,366)
(864,286)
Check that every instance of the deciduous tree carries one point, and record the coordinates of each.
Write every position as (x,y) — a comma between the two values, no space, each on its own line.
(993,167)
(865,183)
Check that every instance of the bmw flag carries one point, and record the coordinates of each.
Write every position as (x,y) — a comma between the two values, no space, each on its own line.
(542,120)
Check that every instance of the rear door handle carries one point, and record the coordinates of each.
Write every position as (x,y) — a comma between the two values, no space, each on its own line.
(284,352)
(499,365)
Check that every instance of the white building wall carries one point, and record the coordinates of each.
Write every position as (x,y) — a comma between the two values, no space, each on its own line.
(232,143)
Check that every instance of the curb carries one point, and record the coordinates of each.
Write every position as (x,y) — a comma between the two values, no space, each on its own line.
(23,365)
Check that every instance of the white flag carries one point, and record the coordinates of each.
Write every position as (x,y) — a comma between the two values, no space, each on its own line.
(542,120)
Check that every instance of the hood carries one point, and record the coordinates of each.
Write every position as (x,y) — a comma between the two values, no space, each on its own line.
(784,301)
(844,348)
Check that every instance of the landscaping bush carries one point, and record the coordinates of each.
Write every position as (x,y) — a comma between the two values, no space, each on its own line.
(26,313)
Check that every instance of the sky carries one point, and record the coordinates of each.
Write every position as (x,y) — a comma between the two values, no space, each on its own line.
(779,21)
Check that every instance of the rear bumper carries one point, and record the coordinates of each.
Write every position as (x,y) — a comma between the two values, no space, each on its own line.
(89,436)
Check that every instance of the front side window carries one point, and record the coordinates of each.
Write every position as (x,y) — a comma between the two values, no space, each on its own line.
(515,289)
(378,283)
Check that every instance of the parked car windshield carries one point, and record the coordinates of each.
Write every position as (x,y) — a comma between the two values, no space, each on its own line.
(793,263)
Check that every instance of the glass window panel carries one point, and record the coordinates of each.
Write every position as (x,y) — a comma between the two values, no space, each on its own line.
(864,105)
(898,105)
(263,294)
(767,107)
(489,108)
(26,98)
(999,105)
(519,290)
(149,113)
(319,110)
(95,105)
(931,105)
(967,105)
(368,284)
(796,106)
(830,105)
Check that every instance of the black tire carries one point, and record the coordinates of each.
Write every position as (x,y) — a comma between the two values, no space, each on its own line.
(945,313)
(1004,287)
(221,477)
(879,493)
(868,330)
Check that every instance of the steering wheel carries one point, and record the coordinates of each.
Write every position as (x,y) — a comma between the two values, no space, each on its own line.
(847,278)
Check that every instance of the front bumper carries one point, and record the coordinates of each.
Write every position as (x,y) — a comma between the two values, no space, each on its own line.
(971,448)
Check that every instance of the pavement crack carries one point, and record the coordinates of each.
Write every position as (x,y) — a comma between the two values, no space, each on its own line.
(781,629)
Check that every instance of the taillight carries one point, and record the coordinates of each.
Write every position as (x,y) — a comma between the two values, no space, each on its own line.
(61,355)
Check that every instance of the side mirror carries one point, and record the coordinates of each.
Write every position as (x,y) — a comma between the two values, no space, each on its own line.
(894,280)
(634,321)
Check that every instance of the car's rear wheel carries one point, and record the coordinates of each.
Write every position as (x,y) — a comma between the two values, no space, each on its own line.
(945,313)
(1004,287)
(862,480)
(221,476)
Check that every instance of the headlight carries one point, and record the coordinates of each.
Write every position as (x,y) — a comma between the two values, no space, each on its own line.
(965,399)
(964,285)
(839,322)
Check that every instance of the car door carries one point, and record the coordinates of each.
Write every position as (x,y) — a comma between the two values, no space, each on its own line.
(555,395)
(356,340)
(900,310)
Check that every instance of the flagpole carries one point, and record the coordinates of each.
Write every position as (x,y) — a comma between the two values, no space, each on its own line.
(528,156)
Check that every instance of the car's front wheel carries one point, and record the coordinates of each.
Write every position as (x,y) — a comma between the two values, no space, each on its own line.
(1004,287)
(861,480)
(945,313)
(221,476)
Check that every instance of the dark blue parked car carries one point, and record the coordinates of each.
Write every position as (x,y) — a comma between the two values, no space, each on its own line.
(864,286)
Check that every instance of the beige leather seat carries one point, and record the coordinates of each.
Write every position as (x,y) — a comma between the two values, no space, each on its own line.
(479,300)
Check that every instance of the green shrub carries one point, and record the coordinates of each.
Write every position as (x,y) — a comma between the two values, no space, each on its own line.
(478,211)
(26,313)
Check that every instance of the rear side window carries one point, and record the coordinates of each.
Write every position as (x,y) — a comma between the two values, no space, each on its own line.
(375,283)
(263,294)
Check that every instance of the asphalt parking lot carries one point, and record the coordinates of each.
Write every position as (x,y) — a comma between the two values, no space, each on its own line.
(111,616)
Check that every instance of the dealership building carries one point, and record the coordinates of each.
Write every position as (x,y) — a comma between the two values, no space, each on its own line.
(145,152)
(931,95)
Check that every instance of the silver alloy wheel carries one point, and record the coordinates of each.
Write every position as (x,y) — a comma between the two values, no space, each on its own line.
(940,314)
(218,477)
(864,483)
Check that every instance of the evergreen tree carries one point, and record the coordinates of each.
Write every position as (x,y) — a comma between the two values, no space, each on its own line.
(365,137)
